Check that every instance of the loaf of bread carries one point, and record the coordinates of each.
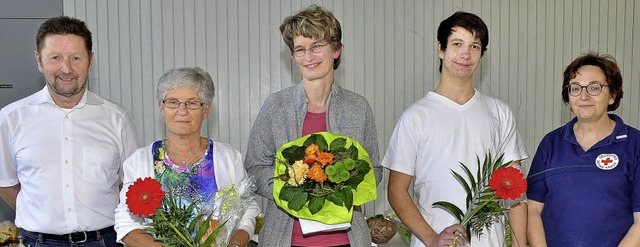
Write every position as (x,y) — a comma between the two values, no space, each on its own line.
(8,232)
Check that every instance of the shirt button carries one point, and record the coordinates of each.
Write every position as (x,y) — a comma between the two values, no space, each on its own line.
(66,138)
(67,185)
(66,161)
(68,209)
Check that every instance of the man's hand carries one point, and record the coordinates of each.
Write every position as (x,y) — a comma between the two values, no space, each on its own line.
(448,237)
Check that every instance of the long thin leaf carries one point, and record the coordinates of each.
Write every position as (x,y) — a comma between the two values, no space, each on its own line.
(466,187)
(452,208)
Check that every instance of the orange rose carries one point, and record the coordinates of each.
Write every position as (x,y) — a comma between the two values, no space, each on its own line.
(311,149)
(325,158)
(311,152)
(317,174)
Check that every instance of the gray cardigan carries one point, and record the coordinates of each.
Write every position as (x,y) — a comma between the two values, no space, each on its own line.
(280,121)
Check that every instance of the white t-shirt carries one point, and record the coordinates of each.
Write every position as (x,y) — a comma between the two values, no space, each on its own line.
(228,170)
(67,161)
(433,135)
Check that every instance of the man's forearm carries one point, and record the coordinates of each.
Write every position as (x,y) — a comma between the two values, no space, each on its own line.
(10,194)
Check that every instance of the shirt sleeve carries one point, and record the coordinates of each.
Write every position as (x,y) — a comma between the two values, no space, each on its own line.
(8,165)
(401,153)
(536,183)
(513,147)
(129,140)
(126,222)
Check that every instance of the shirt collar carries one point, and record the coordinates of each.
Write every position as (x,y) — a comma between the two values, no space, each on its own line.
(43,96)
(619,133)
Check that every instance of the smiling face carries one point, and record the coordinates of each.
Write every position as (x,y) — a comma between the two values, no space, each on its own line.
(314,66)
(585,106)
(462,55)
(182,121)
(65,63)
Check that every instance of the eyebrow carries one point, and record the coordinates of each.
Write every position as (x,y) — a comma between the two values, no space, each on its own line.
(312,44)
(461,40)
(591,82)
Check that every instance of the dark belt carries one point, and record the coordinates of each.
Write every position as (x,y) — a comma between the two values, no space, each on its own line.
(76,237)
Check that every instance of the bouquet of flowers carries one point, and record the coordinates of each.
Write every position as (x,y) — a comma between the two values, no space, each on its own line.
(176,223)
(493,182)
(321,177)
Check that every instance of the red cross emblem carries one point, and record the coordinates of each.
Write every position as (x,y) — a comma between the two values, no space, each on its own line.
(607,161)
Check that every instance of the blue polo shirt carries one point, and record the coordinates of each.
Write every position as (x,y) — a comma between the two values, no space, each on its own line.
(589,197)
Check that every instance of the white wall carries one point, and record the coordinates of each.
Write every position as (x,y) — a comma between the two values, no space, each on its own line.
(389,55)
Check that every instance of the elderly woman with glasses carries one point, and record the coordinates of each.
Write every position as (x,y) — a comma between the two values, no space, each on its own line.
(315,104)
(189,165)
(584,182)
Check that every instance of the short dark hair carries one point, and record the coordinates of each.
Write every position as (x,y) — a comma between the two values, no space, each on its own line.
(468,21)
(64,25)
(609,68)
(313,22)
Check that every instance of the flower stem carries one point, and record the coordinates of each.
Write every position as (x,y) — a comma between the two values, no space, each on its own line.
(467,217)
(184,239)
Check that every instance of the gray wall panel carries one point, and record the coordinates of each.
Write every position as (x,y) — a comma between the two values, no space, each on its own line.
(389,56)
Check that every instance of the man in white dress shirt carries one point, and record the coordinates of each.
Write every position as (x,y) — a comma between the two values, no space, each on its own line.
(62,148)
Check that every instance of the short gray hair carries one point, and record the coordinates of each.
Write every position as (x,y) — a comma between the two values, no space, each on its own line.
(190,77)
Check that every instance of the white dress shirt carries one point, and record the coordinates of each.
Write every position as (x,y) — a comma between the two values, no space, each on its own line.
(67,161)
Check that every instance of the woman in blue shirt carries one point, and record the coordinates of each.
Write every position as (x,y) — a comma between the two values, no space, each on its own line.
(584,182)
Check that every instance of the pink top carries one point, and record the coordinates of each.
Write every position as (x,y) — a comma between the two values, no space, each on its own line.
(316,122)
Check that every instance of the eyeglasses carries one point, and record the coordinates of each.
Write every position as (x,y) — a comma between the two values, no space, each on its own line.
(317,48)
(190,104)
(593,89)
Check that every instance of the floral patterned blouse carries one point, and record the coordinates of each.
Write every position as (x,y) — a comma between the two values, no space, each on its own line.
(195,182)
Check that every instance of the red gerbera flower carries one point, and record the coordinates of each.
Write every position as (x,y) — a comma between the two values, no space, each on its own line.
(144,197)
(508,183)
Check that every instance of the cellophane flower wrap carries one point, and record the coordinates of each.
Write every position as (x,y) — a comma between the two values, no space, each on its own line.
(321,177)
(177,221)
(494,182)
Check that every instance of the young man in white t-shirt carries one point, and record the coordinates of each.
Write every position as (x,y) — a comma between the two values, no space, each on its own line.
(451,124)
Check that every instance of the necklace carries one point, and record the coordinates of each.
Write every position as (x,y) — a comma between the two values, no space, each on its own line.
(184,161)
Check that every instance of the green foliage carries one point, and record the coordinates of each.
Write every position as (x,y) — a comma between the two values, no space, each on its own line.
(316,204)
(173,224)
(483,208)
(296,197)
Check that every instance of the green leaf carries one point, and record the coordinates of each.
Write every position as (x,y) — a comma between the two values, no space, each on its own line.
(296,197)
(194,223)
(296,154)
(318,140)
(337,144)
(347,198)
(212,237)
(353,152)
(316,204)
(466,186)
(451,208)
(289,193)
(336,198)
(203,227)
(288,151)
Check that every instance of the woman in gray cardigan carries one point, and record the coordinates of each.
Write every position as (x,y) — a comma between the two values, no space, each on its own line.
(316,104)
